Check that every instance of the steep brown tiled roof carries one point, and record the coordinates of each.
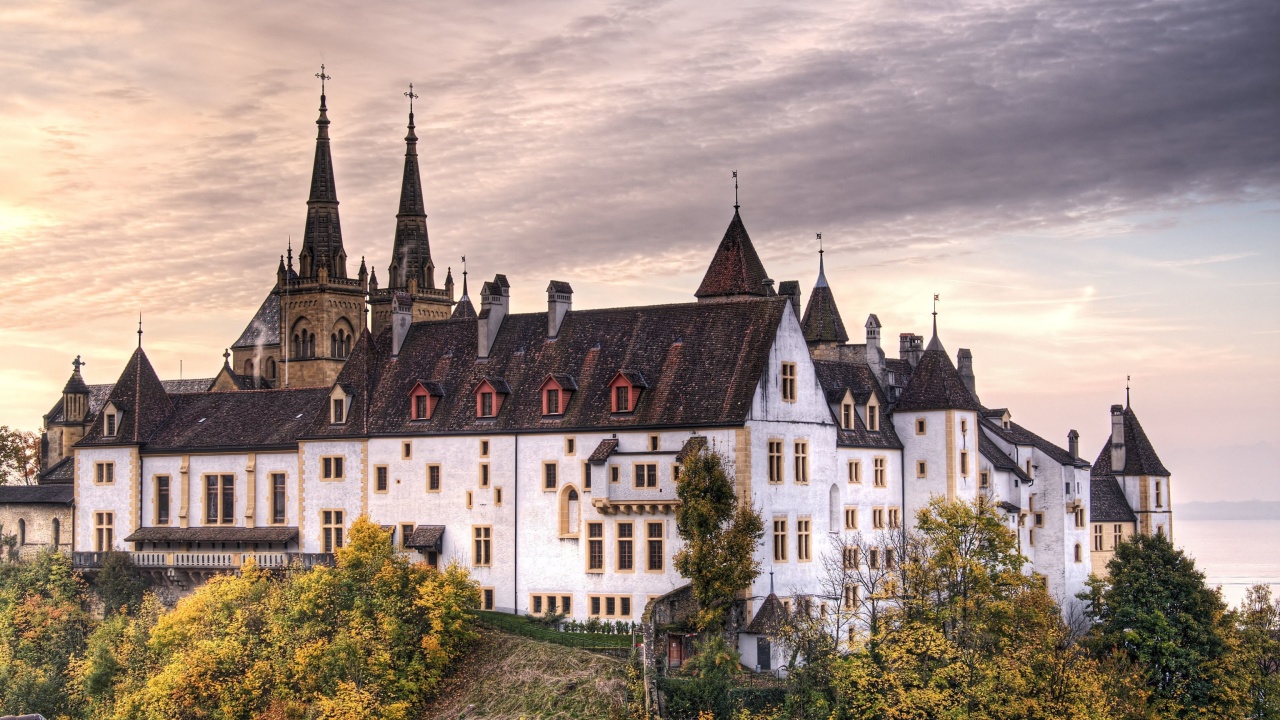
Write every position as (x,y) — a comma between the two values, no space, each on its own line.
(838,377)
(691,448)
(701,364)
(36,494)
(736,268)
(426,537)
(62,472)
(822,321)
(359,377)
(143,403)
(603,450)
(1139,456)
(464,310)
(1018,435)
(769,618)
(214,534)
(998,458)
(239,419)
(1106,500)
(264,328)
(936,385)
(75,384)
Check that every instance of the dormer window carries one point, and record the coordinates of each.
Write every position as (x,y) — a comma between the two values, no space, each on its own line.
(556,391)
(110,420)
(846,416)
(111,424)
(489,395)
(625,390)
(873,415)
(339,405)
(339,410)
(423,399)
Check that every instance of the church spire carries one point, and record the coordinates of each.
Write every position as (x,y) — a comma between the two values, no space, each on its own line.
(322,239)
(821,322)
(411,252)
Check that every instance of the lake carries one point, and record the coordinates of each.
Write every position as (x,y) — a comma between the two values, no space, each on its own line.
(1233,554)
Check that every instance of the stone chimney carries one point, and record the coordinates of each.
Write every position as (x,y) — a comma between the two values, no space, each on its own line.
(1117,439)
(401,319)
(910,347)
(791,289)
(964,365)
(1073,444)
(495,299)
(875,356)
(559,303)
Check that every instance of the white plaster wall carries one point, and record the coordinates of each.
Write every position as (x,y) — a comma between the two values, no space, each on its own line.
(153,465)
(347,494)
(268,463)
(91,498)
(930,447)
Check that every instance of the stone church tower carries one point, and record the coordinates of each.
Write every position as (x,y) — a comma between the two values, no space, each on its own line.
(322,311)
(411,270)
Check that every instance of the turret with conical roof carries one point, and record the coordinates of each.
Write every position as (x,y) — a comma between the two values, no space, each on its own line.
(735,271)
(822,324)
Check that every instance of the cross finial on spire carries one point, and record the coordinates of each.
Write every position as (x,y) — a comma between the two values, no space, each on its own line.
(935,314)
(226,357)
(735,189)
(322,77)
(139,330)
(411,97)
(78,363)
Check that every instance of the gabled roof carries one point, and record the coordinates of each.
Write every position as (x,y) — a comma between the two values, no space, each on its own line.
(98,395)
(822,321)
(936,385)
(1139,456)
(359,376)
(143,403)
(62,472)
(264,328)
(1016,434)
(1107,502)
(839,377)
(998,458)
(736,268)
(702,363)
(239,419)
(60,494)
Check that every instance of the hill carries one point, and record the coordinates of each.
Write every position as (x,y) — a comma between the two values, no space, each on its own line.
(509,677)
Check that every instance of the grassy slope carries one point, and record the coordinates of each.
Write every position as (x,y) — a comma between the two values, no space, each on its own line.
(507,676)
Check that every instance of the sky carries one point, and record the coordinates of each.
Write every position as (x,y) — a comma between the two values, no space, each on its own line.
(1092,187)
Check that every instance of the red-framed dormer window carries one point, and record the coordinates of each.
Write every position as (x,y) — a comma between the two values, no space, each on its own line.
(556,391)
(423,399)
(624,391)
(488,400)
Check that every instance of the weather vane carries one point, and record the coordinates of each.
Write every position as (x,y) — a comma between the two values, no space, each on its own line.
(411,97)
(819,243)
(935,304)
(735,189)
(139,329)
(323,77)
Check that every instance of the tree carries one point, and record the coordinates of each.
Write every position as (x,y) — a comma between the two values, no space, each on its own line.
(119,585)
(720,538)
(1154,611)
(19,456)
(1259,623)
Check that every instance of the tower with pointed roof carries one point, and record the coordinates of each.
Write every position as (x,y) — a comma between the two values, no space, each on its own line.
(823,328)
(735,272)
(411,270)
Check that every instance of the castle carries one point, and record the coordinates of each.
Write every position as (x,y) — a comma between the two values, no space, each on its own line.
(542,450)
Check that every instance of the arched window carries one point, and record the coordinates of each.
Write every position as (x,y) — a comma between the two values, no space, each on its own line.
(248,367)
(57,533)
(1079,553)
(294,349)
(22,531)
(570,512)
(271,368)
(333,345)
(833,510)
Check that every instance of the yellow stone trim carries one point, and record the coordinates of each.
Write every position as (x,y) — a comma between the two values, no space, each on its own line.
(251,489)
(951,455)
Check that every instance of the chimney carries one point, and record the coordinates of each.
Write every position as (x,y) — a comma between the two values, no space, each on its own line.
(1117,439)
(875,356)
(495,298)
(791,289)
(964,365)
(1073,444)
(401,319)
(559,303)
(910,347)
(768,287)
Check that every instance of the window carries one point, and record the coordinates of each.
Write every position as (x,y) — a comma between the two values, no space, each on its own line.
(895,517)
(850,557)
(162,499)
(57,532)
(653,533)
(1031,537)
(549,475)
(111,424)
(331,468)
(855,471)
(964,462)
(877,518)
(433,478)
(551,401)
(878,471)
(614,473)
(570,512)
(789,381)
(331,529)
(779,539)
(220,499)
(922,469)
(984,479)
(484,475)
(802,462)
(1029,467)
(646,475)
(339,411)
(846,416)
(482,556)
(1097,538)
(873,558)
(570,446)
(420,411)
(406,530)
(406,450)
(1117,535)
(469,498)
(851,518)
(380,479)
(622,399)
(890,558)
(1079,517)
(1159,494)
(486,404)
(675,472)
(609,605)
(775,461)
(586,475)
(544,604)
(802,540)
(653,443)
(484,448)
(1079,553)
(964,426)
(1039,519)
(277,498)
(486,601)
(626,547)
(873,416)
(497,496)
(104,473)
(22,531)
(595,547)
(850,598)
(920,426)
(104,531)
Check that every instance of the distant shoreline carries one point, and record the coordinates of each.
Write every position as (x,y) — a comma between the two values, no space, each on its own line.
(1248,510)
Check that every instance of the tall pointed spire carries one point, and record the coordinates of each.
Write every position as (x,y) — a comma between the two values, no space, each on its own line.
(822,322)
(464,309)
(735,270)
(934,342)
(322,239)
(411,252)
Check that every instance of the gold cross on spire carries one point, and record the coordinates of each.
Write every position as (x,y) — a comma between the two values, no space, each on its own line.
(323,77)
(411,97)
